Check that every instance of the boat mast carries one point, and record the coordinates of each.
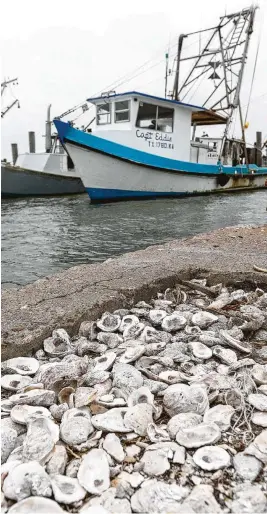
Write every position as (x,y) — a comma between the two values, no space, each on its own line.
(221,60)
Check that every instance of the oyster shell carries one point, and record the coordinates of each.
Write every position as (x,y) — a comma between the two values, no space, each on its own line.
(173,322)
(113,447)
(58,460)
(138,417)
(76,426)
(211,458)
(141,395)
(228,340)
(201,500)
(21,413)
(38,397)
(260,419)
(200,350)
(20,365)
(259,401)
(259,447)
(109,339)
(105,362)
(93,472)
(109,322)
(111,421)
(40,441)
(66,489)
(158,497)
(203,319)
(127,321)
(183,398)
(126,378)
(36,505)
(156,316)
(200,435)
(132,354)
(225,355)
(8,442)
(247,466)
(28,479)
(183,420)
(221,415)
(15,382)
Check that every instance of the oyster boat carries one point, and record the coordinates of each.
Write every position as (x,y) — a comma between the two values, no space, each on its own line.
(144,146)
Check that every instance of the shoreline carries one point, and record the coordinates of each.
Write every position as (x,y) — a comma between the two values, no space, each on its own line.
(84,292)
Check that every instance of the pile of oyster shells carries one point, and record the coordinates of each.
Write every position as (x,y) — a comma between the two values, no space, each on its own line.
(160,408)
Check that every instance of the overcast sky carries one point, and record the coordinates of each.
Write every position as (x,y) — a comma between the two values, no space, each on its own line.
(65,51)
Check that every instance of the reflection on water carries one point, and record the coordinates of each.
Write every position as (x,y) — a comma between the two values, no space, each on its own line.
(41,236)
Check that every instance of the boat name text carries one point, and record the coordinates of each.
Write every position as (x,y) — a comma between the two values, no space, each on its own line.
(156,139)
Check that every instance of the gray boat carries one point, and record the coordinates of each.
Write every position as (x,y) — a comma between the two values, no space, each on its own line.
(40,174)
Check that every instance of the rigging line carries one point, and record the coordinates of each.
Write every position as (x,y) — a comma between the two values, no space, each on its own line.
(253,75)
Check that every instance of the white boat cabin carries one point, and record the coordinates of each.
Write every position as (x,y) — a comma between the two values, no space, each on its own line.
(154,125)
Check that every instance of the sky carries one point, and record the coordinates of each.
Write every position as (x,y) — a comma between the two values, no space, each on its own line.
(65,51)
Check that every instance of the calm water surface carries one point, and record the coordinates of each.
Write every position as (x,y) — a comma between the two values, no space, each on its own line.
(41,236)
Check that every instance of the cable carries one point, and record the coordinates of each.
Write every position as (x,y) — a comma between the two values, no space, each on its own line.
(253,75)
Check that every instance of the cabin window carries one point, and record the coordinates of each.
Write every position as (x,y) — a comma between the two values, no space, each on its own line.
(122,111)
(103,114)
(155,117)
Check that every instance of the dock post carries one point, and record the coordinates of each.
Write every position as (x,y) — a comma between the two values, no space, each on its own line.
(32,142)
(14,150)
(258,148)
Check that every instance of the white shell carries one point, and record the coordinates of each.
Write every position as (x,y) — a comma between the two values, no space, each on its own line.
(183,398)
(258,447)
(173,322)
(14,382)
(259,374)
(41,437)
(247,466)
(260,419)
(138,417)
(109,322)
(126,377)
(200,350)
(58,460)
(263,389)
(221,415)
(171,377)
(228,340)
(58,345)
(225,355)
(128,320)
(84,396)
(66,489)
(113,447)
(201,500)
(132,354)
(93,472)
(203,319)
(105,362)
(183,420)
(151,497)
(133,331)
(75,426)
(259,401)
(155,462)
(111,421)
(36,505)
(249,498)
(8,441)
(211,458)
(157,434)
(26,479)
(141,395)
(39,397)
(21,365)
(21,413)
(200,435)
(156,316)
(110,339)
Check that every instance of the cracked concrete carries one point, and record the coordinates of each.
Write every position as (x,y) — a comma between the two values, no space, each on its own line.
(29,314)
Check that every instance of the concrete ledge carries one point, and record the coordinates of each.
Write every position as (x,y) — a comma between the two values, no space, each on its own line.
(29,314)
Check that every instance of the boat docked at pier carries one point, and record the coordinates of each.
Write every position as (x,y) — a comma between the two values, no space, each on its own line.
(46,173)
(145,146)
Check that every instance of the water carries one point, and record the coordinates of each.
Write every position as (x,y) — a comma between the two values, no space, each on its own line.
(41,236)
